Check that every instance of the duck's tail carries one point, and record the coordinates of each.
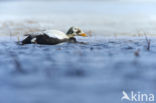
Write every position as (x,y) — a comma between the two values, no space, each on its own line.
(28,39)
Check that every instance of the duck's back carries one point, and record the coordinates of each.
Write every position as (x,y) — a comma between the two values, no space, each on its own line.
(56,34)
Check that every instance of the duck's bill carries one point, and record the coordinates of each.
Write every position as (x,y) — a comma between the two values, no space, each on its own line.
(83,34)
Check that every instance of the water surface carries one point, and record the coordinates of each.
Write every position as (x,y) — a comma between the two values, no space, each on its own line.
(95,72)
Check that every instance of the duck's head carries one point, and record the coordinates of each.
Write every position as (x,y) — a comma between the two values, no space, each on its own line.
(75,31)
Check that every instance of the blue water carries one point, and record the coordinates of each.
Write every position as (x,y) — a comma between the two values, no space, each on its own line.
(95,72)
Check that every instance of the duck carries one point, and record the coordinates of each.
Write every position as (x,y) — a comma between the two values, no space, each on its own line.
(52,37)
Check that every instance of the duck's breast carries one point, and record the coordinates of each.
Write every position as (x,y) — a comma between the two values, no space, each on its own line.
(56,34)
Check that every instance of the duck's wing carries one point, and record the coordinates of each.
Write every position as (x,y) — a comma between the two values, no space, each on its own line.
(56,34)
